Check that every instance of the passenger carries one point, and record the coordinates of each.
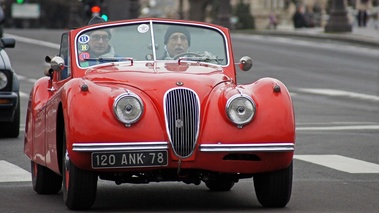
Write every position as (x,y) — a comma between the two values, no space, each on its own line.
(177,40)
(99,46)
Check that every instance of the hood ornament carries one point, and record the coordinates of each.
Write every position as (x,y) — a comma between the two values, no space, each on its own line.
(179,83)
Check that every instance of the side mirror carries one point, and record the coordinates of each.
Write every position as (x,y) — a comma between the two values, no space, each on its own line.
(56,63)
(8,42)
(245,63)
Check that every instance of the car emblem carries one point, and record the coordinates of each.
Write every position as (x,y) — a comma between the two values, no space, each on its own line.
(179,83)
(178,123)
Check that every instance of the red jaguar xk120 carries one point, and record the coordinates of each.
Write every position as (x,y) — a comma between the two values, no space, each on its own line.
(153,100)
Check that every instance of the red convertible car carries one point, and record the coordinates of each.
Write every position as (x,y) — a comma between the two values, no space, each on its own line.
(153,100)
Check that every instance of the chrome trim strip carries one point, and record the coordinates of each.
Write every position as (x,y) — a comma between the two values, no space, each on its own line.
(267,147)
(95,147)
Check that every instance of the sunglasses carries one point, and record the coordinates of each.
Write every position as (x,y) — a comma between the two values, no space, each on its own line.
(98,37)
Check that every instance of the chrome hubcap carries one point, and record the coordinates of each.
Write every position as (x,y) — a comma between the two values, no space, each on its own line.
(67,161)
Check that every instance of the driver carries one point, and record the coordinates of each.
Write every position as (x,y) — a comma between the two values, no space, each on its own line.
(177,40)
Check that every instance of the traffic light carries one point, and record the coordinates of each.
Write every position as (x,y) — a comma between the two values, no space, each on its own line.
(20,1)
(105,17)
(95,8)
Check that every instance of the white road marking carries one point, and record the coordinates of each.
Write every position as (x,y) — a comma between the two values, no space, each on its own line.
(341,163)
(334,128)
(34,41)
(12,173)
(24,78)
(314,44)
(332,92)
(24,95)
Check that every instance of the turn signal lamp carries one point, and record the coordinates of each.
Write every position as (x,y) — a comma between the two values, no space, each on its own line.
(5,101)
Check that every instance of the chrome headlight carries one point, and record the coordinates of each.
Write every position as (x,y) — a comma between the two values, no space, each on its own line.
(3,80)
(240,109)
(128,108)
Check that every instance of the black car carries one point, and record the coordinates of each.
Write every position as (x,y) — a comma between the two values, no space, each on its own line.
(9,93)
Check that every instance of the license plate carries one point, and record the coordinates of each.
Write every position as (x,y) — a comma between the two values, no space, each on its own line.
(128,159)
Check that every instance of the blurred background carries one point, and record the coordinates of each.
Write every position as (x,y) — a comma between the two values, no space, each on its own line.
(234,14)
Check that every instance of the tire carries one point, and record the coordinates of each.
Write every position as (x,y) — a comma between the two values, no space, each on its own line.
(219,184)
(79,186)
(273,190)
(12,129)
(44,180)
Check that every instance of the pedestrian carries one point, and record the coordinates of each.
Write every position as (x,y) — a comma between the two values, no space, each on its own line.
(298,18)
(309,16)
(2,17)
(363,6)
(273,21)
(317,11)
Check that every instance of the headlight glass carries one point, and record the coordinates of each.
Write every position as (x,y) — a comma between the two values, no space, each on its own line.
(128,108)
(240,109)
(3,80)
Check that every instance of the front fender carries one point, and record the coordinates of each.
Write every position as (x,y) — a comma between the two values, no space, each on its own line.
(16,83)
(274,119)
(34,139)
(89,117)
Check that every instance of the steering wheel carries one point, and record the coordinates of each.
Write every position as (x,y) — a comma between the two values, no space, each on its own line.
(186,53)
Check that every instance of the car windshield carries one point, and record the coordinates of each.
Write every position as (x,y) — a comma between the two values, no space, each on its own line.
(135,42)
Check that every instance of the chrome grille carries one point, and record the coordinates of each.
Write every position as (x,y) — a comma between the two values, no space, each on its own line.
(182,111)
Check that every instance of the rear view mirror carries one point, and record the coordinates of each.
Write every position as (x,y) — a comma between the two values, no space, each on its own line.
(245,63)
(8,42)
(56,63)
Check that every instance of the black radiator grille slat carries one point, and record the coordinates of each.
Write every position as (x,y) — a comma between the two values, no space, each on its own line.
(182,120)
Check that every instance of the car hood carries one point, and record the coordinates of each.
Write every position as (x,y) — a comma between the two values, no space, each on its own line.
(162,76)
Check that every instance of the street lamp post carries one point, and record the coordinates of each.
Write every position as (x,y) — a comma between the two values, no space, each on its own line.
(338,21)
(224,13)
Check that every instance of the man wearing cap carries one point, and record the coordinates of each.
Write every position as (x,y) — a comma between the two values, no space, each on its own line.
(177,40)
(98,43)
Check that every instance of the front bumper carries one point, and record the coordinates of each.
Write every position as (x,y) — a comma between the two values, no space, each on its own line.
(141,146)
(225,158)
(8,105)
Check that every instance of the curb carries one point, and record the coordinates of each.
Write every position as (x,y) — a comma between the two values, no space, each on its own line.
(345,37)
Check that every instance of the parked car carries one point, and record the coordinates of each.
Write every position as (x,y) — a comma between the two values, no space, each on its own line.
(133,112)
(9,93)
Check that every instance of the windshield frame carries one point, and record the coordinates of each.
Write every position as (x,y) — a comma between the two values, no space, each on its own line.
(151,23)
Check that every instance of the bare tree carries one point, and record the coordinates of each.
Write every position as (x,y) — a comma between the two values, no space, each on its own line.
(197,9)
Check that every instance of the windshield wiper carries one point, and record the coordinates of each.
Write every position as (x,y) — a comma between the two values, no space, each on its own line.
(200,59)
(110,59)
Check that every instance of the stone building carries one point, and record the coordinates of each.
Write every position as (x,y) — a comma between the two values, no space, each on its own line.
(259,9)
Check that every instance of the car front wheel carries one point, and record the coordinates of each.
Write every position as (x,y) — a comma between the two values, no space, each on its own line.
(79,186)
(273,189)
(12,129)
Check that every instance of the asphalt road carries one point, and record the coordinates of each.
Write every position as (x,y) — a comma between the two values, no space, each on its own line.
(335,90)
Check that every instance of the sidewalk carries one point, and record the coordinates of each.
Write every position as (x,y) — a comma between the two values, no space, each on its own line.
(364,36)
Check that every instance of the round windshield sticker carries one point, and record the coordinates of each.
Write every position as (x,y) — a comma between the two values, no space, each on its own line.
(143,28)
(83,39)
(83,56)
(83,47)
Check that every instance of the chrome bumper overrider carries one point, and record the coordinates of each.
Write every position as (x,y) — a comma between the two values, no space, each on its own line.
(95,147)
(267,147)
